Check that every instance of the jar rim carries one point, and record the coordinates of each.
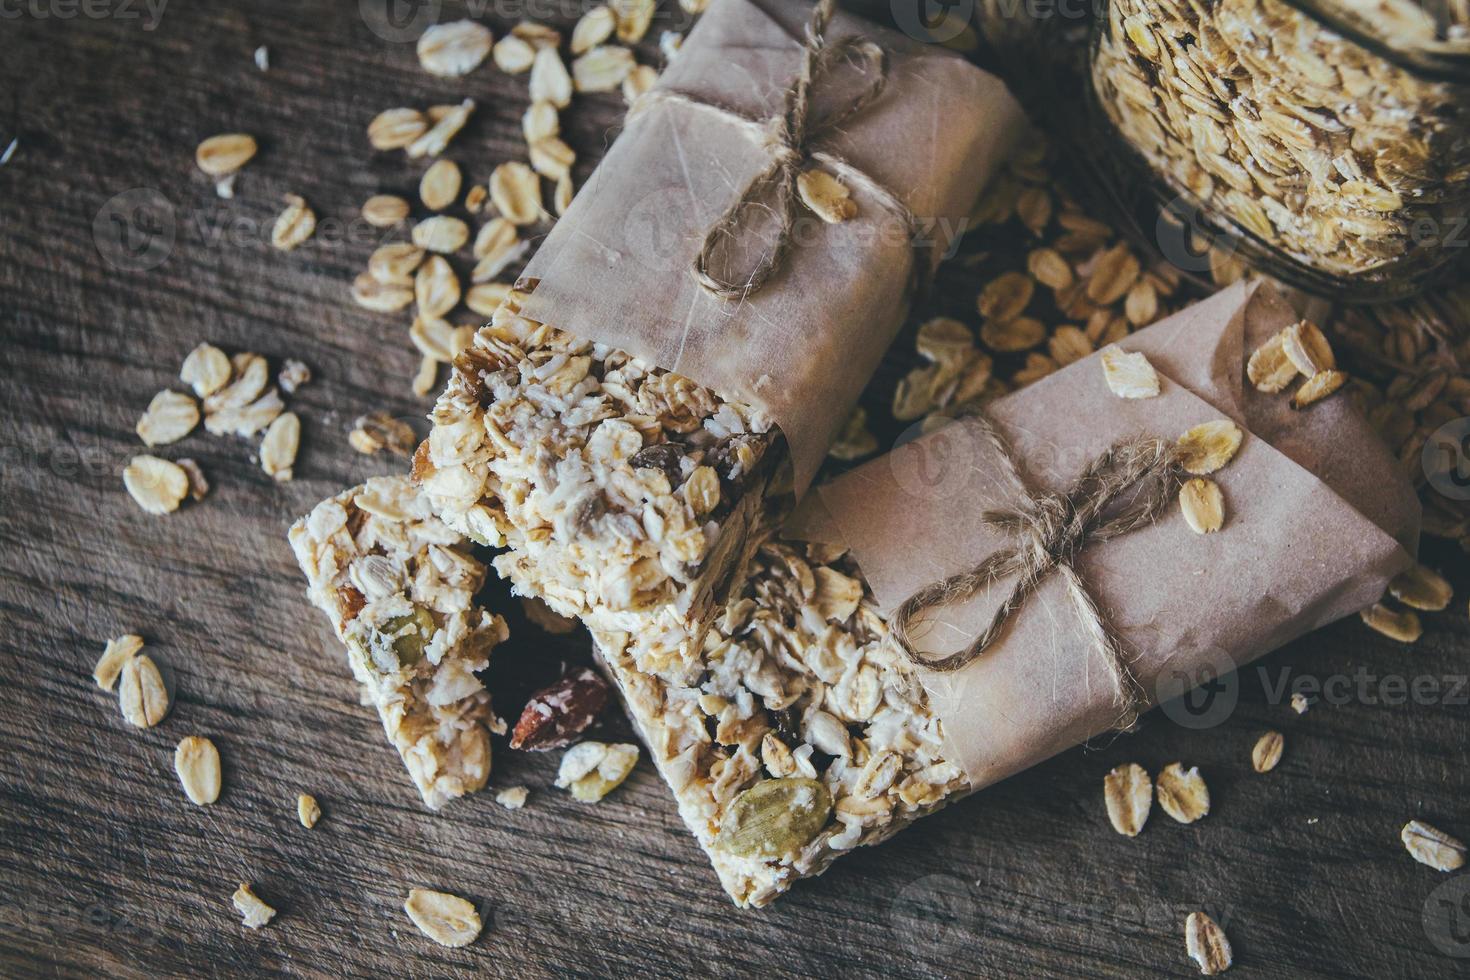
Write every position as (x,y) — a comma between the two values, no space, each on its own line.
(1436,61)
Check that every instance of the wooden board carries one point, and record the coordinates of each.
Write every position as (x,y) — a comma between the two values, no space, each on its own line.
(106,870)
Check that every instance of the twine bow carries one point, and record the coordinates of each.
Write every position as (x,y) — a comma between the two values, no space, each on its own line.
(1142,475)
(789,135)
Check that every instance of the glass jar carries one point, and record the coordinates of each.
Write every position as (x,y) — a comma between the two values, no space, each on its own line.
(1329,140)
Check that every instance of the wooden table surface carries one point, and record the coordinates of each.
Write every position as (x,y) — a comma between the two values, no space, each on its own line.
(105,869)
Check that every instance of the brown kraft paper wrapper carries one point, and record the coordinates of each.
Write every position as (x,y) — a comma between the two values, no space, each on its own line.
(1318,518)
(616,267)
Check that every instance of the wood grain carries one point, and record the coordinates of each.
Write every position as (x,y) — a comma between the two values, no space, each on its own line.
(105,869)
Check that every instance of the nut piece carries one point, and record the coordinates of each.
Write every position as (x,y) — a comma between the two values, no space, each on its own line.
(1203,505)
(256,912)
(447,919)
(1318,387)
(826,196)
(454,49)
(1401,626)
(512,797)
(774,819)
(544,617)
(278,448)
(196,760)
(141,695)
(1432,846)
(1183,794)
(516,192)
(224,154)
(1207,944)
(1129,796)
(591,770)
(1421,588)
(1267,752)
(294,225)
(1129,375)
(1208,446)
(307,810)
(206,370)
(119,651)
(1269,369)
(157,485)
(557,714)
(440,184)
(170,417)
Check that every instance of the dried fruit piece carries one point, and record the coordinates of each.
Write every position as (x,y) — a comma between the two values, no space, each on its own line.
(1267,752)
(278,448)
(249,905)
(1318,387)
(393,129)
(206,370)
(557,714)
(516,191)
(442,233)
(1402,626)
(307,810)
(1432,846)
(591,770)
(294,225)
(1128,375)
(1183,794)
(141,694)
(1207,944)
(1307,349)
(774,819)
(1203,505)
(447,919)
(384,210)
(512,797)
(224,154)
(157,485)
(602,69)
(1269,369)
(455,48)
(119,650)
(1421,588)
(1208,446)
(826,196)
(439,186)
(196,760)
(170,417)
(1129,795)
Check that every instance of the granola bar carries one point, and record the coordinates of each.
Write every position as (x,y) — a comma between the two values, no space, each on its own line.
(627,495)
(399,587)
(802,692)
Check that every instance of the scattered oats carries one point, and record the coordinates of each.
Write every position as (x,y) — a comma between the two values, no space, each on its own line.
(1047,267)
(1207,944)
(552,158)
(293,375)
(512,797)
(639,80)
(246,420)
(1432,846)
(499,257)
(1402,626)
(540,121)
(256,912)
(537,35)
(1307,349)
(595,27)
(561,197)
(1005,296)
(198,485)
(549,79)
(545,618)
(1128,375)
(394,129)
(433,337)
(307,810)
(294,225)
(367,292)
(156,485)
(1116,271)
(426,377)
(224,154)
(378,430)
(384,210)
(1317,387)
(1068,345)
(1012,336)
(454,49)
(516,191)
(483,298)
(837,595)
(395,263)
(436,287)
(1267,752)
(447,919)
(633,18)
(669,44)
(826,196)
(169,418)
(252,374)
(1203,505)
(224,188)
(196,760)
(513,54)
(602,69)
(1183,794)
(1034,208)
(118,652)
(262,58)
(1141,306)
(439,186)
(591,770)
(141,694)
(445,128)
(1269,369)
(278,448)
(855,441)
(1208,446)
(1299,703)
(1421,588)
(1129,796)
(442,233)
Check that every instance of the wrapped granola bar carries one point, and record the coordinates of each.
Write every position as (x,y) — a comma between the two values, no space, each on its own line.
(398,587)
(619,423)
(810,730)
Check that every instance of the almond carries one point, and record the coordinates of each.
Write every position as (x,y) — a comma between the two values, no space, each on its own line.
(556,715)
